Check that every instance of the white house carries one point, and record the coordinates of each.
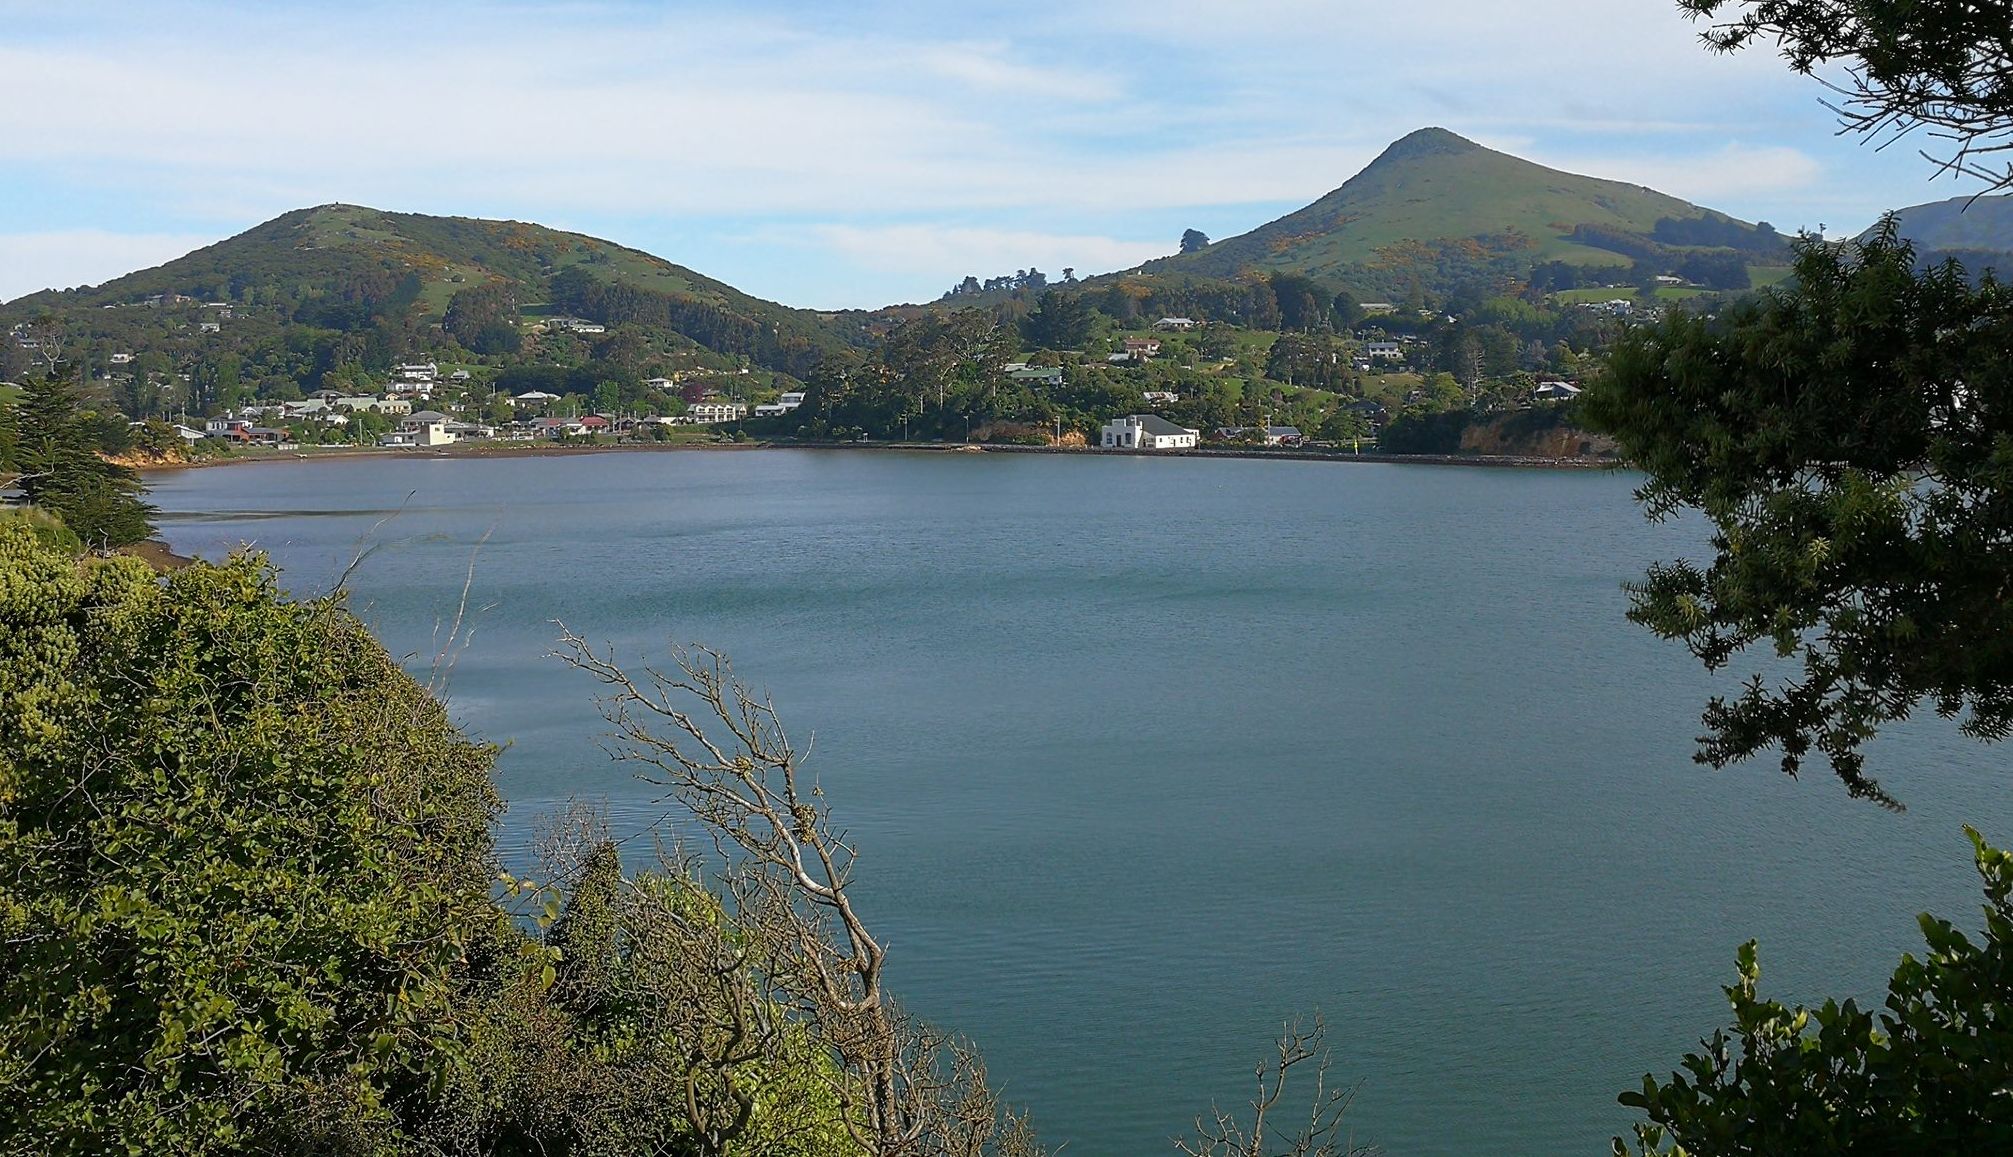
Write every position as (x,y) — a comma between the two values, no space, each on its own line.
(426,428)
(121,359)
(660,383)
(1038,375)
(1160,397)
(1147,432)
(1555,392)
(1182,323)
(709,412)
(534,398)
(416,372)
(1389,351)
(780,406)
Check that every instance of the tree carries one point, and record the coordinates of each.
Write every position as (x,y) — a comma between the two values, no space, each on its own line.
(1345,311)
(1321,1135)
(243,855)
(1927,1075)
(1848,438)
(793,930)
(1194,241)
(62,471)
(1944,66)
(248,905)
(1061,322)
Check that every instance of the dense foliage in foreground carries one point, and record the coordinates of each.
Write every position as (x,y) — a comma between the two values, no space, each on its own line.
(1928,1074)
(247,904)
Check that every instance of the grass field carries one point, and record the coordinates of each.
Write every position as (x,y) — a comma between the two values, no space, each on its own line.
(1595,295)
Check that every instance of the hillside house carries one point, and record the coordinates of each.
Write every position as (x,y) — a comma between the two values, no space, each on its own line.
(1266,435)
(707,413)
(272,436)
(1386,351)
(1180,324)
(426,429)
(1146,432)
(1142,347)
(390,407)
(1160,397)
(1555,392)
(1037,375)
(534,398)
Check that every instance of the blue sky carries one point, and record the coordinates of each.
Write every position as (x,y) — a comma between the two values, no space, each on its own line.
(855,155)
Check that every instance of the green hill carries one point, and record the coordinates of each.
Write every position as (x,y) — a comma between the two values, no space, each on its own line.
(1435,205)
(1977,231)
(352,269)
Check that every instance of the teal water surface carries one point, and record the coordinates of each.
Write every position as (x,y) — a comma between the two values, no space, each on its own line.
(1145,755)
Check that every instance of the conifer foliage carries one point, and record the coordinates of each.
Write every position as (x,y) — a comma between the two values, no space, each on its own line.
(55,449)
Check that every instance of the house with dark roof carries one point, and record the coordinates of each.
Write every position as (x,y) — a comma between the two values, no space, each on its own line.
(1147,432)
(1269,435)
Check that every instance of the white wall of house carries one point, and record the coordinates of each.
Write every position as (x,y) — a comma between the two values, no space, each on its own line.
(1130,433)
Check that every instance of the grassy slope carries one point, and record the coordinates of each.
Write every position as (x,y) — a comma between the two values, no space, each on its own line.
(322,244)
(1435,185)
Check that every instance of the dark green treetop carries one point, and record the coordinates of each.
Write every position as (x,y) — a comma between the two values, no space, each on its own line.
(1851,441)
(55,444)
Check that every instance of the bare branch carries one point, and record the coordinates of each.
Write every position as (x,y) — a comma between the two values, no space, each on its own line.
(1221,1134)
(790,940)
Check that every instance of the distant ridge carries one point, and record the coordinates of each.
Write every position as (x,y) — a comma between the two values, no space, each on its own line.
(1976,231)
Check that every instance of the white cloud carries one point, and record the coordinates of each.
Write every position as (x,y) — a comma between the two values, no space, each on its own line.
(1734,171)
(950,252)
(66,258)
(1054,120)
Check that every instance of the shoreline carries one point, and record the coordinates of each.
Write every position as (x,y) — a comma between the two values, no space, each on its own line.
(549,450)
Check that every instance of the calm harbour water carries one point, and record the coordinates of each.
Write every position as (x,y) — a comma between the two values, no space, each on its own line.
(1145,755)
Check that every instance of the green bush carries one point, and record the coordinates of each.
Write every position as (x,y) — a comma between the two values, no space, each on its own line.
(243,858)
(1928,1074)
(249,904)
(48,528)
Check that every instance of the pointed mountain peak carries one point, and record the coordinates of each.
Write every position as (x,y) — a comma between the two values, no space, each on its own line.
(1430,142)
